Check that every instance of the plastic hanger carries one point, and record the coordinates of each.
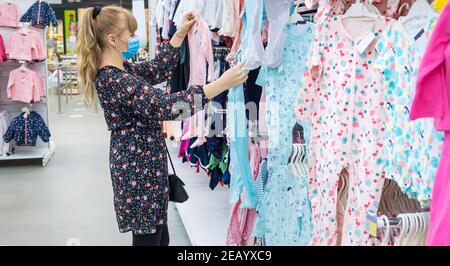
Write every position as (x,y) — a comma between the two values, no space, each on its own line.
(294,156)
(420,8)
(304,162)
(292,160)
(426,222)
(414,230)
(358,10)
(404,229)
(372,8)
(25,28)
(27,110)
(296,17)
(299,162)
(386,231)
(23,67)
(424,216)
(295,162)
(400,9)
(420,229)
(291,155)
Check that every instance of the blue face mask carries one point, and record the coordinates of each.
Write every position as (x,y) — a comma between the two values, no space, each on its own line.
(133,48)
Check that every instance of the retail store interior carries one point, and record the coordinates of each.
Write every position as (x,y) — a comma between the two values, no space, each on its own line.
(345,146)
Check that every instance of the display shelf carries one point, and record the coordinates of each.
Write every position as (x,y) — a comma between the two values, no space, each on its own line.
(42,150)
(206,214)
(26,153)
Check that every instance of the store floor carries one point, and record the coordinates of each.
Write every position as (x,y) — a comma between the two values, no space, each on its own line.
(70,200)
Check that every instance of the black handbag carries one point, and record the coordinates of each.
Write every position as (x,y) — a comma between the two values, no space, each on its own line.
(177,193)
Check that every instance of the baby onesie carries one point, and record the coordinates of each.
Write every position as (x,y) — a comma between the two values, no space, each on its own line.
(284,214)
(413,148)
(344,101)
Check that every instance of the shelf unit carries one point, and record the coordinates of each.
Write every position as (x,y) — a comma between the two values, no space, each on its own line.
(42,150)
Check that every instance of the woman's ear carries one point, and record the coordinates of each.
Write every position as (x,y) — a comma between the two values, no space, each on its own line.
(111,39)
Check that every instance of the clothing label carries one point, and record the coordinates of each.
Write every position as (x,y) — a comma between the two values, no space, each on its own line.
(421,32)
(365,42)
(290,196)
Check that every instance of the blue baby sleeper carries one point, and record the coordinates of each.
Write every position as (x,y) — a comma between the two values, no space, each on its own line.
(284,214)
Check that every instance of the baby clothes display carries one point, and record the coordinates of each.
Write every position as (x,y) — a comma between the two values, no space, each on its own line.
(9,15)
(26,45)
(40,15)
(25,85)
(25,128)
(284,215)
(22,62)
(338,94)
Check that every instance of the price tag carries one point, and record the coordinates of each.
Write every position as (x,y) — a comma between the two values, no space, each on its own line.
(365,42)
(419,34)
(371,223)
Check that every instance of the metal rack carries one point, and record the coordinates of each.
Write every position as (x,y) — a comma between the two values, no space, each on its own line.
(70,75)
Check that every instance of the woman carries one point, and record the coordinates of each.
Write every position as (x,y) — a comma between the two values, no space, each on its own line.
(134,112)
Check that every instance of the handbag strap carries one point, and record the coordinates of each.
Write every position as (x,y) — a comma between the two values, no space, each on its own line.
(170,159)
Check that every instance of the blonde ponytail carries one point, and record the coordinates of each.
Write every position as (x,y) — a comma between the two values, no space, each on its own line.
(92,39)
(88,56)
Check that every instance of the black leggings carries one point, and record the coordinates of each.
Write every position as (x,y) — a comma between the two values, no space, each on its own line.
(160,238)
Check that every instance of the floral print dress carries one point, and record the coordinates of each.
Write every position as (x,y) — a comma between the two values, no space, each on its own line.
(134,112)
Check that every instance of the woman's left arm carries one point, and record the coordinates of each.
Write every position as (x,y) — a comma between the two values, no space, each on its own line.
(160,69)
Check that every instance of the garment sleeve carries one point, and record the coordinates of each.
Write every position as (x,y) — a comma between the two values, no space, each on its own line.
(38,90)
(42,86)
(159,69)
(152,103)
(208,51)
(10,45)
(10,132)
(310,79)
(262,77)
(40,47)
(43,131)
(9,89)
(52,17)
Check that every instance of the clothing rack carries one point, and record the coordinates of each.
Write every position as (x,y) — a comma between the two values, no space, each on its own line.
(42,150)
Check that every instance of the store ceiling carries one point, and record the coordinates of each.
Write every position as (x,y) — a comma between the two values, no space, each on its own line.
(59,9)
